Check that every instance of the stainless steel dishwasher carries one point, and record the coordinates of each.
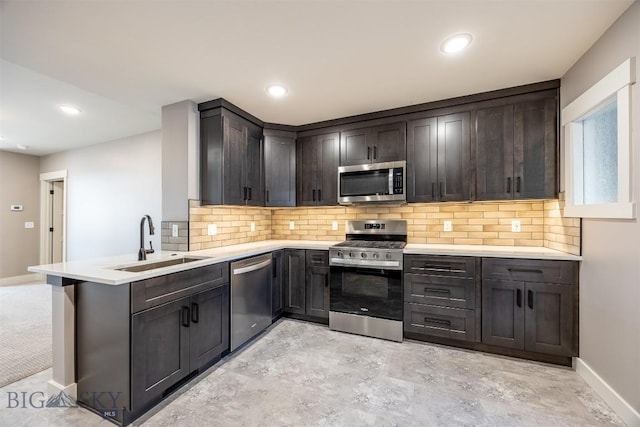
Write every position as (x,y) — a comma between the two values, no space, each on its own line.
(250,298)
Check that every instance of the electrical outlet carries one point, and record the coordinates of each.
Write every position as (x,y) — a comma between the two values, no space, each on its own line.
(174,230)
(29,224)
(212,229)
(515,226)
(252,226)
(448,226)
(334,225)
(292,225)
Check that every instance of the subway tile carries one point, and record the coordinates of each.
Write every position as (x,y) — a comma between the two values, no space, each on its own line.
(468,215)
(483,234)
(499,242)
(467,241)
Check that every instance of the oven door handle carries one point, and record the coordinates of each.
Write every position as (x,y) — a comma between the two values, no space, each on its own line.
(387,265)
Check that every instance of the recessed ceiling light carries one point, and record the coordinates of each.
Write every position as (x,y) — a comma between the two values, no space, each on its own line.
(277,91)
(70,110)
(22,147)
(456,43)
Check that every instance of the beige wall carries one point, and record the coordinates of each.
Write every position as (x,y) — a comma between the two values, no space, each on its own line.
(610,273)
(19,185)
(478,223)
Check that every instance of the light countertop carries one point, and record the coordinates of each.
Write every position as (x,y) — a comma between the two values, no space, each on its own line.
(104,270)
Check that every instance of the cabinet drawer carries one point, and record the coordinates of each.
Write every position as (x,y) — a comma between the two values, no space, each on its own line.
(159,290)
(529,270)
(441,265)
(458,292)
(453,323)
(317,258)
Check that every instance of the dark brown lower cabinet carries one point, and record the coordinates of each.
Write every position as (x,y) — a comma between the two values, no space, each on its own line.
(529,314)
(306,282)
(277,284)
(170,341)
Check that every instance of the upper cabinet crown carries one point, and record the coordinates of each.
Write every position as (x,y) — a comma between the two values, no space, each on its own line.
(516,143)
(377,144)
(231,156)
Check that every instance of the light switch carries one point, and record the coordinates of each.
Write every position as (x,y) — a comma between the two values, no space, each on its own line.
(252,226)
(448,226)
(174,230)
(29,224)
(334,225)
(292,225)
(212,229)
(515,226)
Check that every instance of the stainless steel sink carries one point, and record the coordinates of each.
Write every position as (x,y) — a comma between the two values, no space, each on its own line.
(158,264)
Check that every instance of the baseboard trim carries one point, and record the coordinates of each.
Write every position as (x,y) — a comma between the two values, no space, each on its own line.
(25,278)
(620,406)
(71,390)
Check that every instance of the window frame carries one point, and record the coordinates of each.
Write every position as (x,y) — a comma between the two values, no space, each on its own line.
(617,83)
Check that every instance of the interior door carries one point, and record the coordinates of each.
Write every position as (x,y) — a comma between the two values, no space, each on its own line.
(57,221)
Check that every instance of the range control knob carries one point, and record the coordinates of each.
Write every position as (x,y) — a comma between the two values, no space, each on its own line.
(388,255)
(339,254)
(363,254)
(375,255)
(350,254)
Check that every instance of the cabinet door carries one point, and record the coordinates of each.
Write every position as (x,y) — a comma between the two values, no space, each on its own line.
(159,350)
(389,143)
(280,170)
(327,170)
(317,292)
(549,318)
(494,151)
(294,281)
(535,145)
(454,157)
(254,171)
(277,283)
(209,327)
(307,158)
(211,177)
(356,147)
(235,142)
(422,160)
(503,313)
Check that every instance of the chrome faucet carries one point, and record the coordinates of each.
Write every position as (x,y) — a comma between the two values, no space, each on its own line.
(142,253)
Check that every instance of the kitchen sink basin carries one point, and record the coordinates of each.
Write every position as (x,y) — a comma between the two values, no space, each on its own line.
(158,264)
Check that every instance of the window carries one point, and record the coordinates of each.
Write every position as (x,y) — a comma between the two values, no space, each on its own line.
(598,147)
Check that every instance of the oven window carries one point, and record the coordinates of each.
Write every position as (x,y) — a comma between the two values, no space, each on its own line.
(360,284)
(364,183)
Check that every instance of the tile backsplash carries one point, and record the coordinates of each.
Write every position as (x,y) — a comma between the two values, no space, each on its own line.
(477,223)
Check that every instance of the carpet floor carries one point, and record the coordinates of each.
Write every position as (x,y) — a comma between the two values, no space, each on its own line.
(25,331)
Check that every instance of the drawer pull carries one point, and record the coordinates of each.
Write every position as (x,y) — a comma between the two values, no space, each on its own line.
(437,291)
(530,299)
(519,298)
(195,312)
(184,314)
(525,270)
(437,321)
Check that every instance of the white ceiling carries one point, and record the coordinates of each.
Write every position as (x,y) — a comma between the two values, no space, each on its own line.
(121,61)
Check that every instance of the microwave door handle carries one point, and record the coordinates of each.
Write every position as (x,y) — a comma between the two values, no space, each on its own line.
(391,181)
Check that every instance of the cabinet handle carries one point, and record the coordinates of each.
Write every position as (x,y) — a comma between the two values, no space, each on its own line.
(319,195)
(530,299)
(314,194)
(249,193)
(433,190)
(368,153)
(509,185)
(375,152)
(437,291)
(274,267)
(184,312)
(519,298)
(267,195)
(441,190)
(195,312)
(518,181)
(437,321)
(524,270)
(245,193)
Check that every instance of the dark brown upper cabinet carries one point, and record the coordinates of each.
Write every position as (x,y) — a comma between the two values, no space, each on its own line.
(516,146)
(231,156)
(317,170)
(280,168)
(439,158)
(378,144)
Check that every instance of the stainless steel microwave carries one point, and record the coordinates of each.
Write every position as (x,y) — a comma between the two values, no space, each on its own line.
(372,183)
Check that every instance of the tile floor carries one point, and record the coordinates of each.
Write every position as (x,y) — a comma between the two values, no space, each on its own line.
(303,374)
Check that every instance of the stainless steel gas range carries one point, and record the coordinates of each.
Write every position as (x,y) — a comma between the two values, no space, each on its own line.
(366,279)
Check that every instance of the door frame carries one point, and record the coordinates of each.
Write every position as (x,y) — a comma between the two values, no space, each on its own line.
(45,218)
